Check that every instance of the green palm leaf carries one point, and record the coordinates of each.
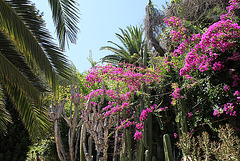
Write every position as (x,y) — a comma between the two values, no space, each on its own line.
(133,44)
(34,117)
(114,59)
(120,51)
(9,74)
(28,104)
(65,17)
(5,117)
(12,24)
(8,50)
(27,57)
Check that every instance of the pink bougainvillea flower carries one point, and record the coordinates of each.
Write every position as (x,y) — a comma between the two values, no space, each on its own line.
(175,135)
(138,135)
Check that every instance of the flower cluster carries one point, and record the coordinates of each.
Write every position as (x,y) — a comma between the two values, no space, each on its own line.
(235,80)
(220,36)
(230,9)
(125,124)
(214,51)
(226,88)
(172,21)
(176,93)
(131,79)
(227,108)
(138,135)
(145,112)
(235,57)
(128,73)
(237,93)
(161,109)
(140,125)
(181,48)
(175,22)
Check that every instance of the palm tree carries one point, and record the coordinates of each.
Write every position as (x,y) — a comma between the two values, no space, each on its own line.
(133,43)
(29,59)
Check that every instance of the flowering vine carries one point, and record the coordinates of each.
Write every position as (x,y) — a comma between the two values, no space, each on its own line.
(213,50)
(131,79)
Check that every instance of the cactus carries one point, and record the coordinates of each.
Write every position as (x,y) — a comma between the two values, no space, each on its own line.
(154,158)
(140,151)
(167,147)
(182,108)
(82,155)
(150,132)
(145,137)
(147,156)
(123,151)
(158,151)
(145,55)
(129,144)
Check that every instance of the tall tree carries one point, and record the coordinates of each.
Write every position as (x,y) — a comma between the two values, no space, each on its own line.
(29,59)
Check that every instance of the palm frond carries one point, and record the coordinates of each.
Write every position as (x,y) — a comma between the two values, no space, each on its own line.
(58,60)
(11,53)
(13,20)
(5,117)
(114,59)
(33,115)
(132,41)
(10,74)
(120,51)
(65,17)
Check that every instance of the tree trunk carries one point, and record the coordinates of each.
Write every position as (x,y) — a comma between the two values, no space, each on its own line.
(60,149)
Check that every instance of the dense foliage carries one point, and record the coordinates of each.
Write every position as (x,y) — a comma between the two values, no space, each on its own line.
(15,145)
(139,111)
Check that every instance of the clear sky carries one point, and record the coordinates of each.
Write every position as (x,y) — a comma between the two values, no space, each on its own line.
(100,20)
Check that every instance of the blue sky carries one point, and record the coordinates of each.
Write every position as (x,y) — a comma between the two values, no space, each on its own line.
(100,20)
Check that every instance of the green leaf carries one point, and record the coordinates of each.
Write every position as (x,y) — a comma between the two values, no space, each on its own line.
(5,117)
(34,117)
(65,17)
(133,44)
(9,74)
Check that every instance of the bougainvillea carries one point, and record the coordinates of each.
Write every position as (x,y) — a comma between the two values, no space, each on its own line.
(132,76)
(175,23)
(216,50)
(131,79)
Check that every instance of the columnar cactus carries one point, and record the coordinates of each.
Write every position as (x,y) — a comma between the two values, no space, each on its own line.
(167,147)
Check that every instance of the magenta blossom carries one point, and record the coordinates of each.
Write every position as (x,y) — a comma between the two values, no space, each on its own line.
(138,135)
(226,88)
(175,135)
